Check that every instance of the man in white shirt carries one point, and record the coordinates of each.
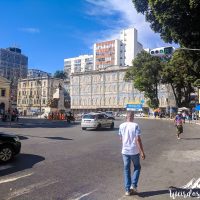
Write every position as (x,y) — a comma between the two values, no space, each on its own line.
(132,149)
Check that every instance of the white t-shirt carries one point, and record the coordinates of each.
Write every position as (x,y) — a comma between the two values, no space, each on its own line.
(129,131)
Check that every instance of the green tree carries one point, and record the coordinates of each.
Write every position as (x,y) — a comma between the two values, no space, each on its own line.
(145,74)
(60,74)
(181,73)
(176,20)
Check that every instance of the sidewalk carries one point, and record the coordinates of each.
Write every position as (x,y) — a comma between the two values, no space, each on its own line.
(186,121)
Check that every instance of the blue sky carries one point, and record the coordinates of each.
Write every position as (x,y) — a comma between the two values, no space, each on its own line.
(48,31)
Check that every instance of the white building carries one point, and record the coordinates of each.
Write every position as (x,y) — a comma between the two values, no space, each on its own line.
(81,63)
(129,47)
(120,51)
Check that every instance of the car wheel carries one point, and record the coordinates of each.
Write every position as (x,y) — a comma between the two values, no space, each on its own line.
(6,153)
(83,128)
(112,126)
(99,126)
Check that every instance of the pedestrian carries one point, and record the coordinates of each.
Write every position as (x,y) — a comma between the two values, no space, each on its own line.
(189,117)
(132,149)
(178,122)
(184,116)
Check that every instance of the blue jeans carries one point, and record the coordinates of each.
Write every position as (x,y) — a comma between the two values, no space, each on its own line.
(128,180)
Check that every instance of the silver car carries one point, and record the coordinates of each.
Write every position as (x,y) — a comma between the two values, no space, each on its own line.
(96,121)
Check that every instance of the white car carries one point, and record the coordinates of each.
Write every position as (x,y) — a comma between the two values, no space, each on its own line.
(96,121)
(139,114)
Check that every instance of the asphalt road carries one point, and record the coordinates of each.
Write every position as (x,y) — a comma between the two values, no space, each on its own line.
(61,162)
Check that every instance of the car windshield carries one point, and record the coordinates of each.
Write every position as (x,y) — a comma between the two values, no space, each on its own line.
(89,116)
(109,112)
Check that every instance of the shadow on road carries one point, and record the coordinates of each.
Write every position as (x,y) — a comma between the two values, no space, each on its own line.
(190,138)
(152,193)
(19,163)
(22,137)
(104,129)
(39,123)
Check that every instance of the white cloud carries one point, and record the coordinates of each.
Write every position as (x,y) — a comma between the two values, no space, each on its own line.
(30,30)
(127,17)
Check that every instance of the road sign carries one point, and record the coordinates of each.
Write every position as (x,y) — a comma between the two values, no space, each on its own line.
(134,107)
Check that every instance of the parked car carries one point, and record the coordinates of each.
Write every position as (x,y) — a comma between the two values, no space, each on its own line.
(10,146)
(139,114)
(110,114)
(96,121)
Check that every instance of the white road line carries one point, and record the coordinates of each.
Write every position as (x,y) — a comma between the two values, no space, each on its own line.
(30,188)
(127,197)
(14,178)
(84,195)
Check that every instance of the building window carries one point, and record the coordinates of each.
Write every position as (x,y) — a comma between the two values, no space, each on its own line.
(3,92)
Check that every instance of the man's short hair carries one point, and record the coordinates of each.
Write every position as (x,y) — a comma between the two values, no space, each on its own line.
(130,114)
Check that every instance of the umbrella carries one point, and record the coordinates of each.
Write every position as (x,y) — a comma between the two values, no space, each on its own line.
(197,107)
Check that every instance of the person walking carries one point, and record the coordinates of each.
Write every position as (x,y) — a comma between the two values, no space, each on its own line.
(178,122)
(132,149)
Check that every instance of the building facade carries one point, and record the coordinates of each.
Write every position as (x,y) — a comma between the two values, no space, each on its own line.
(4,95)
(129,47)
(81,63)
(102,90)
(106,54)
(121,51)
(106,89)
(35,94)
(33,73)
(13,66)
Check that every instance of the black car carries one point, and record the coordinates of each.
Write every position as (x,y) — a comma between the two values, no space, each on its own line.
(10,146)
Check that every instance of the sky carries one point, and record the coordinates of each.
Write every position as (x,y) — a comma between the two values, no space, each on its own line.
(48,31)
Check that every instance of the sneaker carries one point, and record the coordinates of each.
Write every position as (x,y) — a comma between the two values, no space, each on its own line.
(127,193)
(133,190)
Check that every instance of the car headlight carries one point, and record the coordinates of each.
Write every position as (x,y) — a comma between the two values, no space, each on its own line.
(16,139)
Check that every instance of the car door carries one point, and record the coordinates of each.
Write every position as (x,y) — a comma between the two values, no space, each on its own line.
(107,121)
(101,120)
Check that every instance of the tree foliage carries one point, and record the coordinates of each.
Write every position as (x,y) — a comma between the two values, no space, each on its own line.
(176,20)
(60,74)
(145,74)
(182,74)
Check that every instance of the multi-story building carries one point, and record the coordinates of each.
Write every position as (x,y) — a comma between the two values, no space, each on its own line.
(4,95)
(106,54)
(129,47)
(35,94)
(102,90)
(13,66)
(106,89)
(78,64)
(117,52)
(33,73)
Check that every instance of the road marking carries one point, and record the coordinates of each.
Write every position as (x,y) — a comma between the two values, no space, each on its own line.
(83,195)
(14,178)
(30,188)
(125,197)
